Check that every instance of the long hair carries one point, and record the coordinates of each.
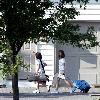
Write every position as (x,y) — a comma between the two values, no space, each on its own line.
(61,54)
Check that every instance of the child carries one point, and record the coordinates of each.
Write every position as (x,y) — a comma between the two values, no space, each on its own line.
(61,74)
(40,64)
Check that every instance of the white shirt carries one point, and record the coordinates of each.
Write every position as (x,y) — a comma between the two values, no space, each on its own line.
(61,64)
(38,64)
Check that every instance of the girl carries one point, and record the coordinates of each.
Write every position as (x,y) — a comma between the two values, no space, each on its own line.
(40,64)
(61,74)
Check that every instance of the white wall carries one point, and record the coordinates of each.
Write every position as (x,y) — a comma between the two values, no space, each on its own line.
(92,12)
(83,64)
(47,51)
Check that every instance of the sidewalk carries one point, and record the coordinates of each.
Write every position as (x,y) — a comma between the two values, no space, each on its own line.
(26,94)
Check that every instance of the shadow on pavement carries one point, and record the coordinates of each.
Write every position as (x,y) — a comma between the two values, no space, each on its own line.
(41,95)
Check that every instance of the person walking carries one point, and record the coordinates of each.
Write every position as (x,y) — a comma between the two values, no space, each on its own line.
(39,68)
(61,74)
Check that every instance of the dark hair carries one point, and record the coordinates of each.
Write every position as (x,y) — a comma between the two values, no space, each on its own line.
(61,54)
(38,55)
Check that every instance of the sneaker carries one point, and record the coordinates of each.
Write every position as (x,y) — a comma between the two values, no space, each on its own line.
(36,91)
(56,91)
(72,90)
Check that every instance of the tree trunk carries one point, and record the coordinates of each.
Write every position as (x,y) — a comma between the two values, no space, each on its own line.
(15,86)
(15,82)
(15,47)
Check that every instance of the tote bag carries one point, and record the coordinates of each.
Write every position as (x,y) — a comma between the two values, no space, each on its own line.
(33,77)
(42,76)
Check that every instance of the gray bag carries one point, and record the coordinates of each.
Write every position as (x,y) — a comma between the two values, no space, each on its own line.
(32,77)
(42,76)
(55,80)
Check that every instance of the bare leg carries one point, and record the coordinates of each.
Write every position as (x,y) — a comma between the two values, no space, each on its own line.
(37,87)
(68,83)
(57,84)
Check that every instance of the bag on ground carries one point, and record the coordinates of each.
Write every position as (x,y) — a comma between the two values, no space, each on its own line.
(82,85)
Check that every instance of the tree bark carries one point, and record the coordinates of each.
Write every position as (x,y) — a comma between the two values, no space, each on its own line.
(15,82)
(15,47)
(15,86)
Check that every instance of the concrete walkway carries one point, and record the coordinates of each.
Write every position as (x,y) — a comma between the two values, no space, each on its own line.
(26,94)
(47,96)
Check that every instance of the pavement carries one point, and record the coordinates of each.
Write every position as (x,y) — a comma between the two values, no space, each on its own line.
(26,94)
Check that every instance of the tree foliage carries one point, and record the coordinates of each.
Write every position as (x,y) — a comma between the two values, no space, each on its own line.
(26,20)
(6,64)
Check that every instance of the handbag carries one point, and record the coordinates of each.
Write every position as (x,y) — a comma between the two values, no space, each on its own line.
(42,76)
(55,80)
(32,77)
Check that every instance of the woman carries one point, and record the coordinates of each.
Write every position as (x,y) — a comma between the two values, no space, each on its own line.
(40,64)
(61,74)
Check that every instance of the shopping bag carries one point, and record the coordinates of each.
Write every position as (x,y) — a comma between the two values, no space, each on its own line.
(42,76)
(32,77)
